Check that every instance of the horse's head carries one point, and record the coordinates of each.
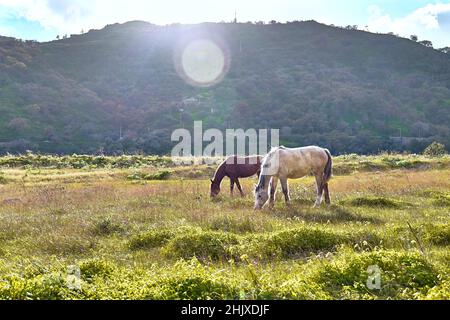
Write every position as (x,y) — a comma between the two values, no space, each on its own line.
(261,197)
(215,189)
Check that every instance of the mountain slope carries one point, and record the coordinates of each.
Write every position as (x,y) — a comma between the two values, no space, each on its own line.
(118,89)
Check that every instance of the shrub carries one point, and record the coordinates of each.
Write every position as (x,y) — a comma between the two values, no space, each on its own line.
(440,292)
(378,202)
(197,287)
(160,175)
(210,245)
(440,199)
(230,224)
(437,234)
(287,243)
(107,226)
(95,268)
(151,239)
(51,286)
(2,178)
(401,274)
(435,150)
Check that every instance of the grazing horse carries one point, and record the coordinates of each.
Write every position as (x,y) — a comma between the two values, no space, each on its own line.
(283,163)
(235,167)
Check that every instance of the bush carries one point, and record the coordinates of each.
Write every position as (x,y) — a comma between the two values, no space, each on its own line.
(440,292)
(151,239)
(438,234)
(160,175)
(435,150)
(440,199)
(288,243)
(95,268)
(2,178)
(378,202)
(107,226)
(209,245)
(401,274)
(51,286)
(230,224)
(190,280)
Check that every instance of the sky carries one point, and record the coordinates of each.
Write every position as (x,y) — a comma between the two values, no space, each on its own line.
(43,20)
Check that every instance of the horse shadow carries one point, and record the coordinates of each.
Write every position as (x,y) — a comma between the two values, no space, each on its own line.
(302,209)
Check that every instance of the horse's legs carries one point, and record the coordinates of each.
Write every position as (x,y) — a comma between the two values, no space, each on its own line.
(232,185)
(273,190)
(239,186)
(326,193)
(320,188)
(285,187)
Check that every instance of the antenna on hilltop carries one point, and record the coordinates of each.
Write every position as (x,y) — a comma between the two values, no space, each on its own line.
(235,16)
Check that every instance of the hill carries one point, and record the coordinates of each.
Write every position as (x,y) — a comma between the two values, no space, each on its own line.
(118,90)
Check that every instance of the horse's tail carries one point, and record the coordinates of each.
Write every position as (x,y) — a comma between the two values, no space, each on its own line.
(328,171)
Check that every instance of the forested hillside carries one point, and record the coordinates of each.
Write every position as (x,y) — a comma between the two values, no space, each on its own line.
(116,90)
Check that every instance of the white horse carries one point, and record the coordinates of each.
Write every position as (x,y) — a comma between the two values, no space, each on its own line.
(284,163)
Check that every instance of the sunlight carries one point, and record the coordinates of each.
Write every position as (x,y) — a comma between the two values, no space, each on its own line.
(203,63)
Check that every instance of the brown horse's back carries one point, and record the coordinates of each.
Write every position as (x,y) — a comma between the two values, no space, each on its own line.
(243,167)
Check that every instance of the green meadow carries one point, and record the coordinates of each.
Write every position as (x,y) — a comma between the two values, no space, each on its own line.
(140,227)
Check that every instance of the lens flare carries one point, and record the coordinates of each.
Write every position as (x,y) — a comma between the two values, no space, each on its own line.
(203,62)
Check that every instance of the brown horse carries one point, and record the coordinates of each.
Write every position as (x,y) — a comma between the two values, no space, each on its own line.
(235,167)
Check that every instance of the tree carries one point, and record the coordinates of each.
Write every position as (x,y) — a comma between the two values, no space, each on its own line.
(445,50)
(426,43)
(413,37)
(435,150)
(18,124)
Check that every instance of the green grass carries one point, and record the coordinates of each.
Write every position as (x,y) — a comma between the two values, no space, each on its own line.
(166,239)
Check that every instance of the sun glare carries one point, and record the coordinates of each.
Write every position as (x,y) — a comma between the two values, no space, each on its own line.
(203,62)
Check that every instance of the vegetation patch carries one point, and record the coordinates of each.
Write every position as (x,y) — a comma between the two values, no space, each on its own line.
(288,243)
(3,179)
(95,268)
(376,202)
(67,245)
(52,286)
(437,234)
(207,245)
(232,224)
(160,175)
(435,149)
(107,226)
(151,239)
(440,292)
(332,214)
(401,275)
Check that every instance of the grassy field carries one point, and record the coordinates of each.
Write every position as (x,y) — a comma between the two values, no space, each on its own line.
(142,228)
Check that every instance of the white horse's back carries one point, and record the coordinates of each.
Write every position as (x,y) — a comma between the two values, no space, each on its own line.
(295,163)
